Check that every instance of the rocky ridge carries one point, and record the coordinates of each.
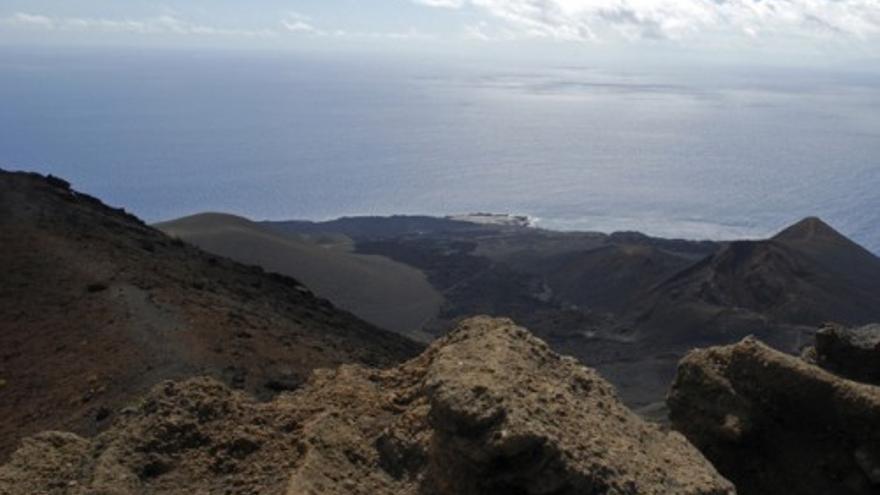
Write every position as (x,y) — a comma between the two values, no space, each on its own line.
(487,409)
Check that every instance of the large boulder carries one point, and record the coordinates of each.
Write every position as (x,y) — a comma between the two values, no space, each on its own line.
(850,352)
(489,409)
(773,423)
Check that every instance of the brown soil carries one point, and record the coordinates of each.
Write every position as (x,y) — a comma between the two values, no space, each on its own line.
(96,308)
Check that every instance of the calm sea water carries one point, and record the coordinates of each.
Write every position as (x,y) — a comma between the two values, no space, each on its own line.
(699,154)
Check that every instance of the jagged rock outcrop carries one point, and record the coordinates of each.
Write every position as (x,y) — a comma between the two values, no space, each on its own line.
(853,353)
(772,423)
(488,409)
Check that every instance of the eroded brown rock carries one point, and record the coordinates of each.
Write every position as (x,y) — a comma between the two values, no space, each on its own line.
(772,423)
(488,409)
(853,353)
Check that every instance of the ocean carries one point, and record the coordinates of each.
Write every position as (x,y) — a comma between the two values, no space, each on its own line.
(694,153)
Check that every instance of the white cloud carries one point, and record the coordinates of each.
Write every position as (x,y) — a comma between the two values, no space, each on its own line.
(164,24)
(299,24)
(477,32)
(450,4)
(24,19)
(581,20)
(483,31)
(293,24)
(409,34)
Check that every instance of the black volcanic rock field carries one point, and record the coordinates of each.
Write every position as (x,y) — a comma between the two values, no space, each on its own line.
(629,304)
(134,362)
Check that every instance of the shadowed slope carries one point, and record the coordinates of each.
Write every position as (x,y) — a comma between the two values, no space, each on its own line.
(834,252)
(610,278)
(96,307)
(806,275)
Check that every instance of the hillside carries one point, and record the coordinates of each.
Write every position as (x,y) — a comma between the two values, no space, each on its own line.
(626,303)
(610,278)
(806,275)
(96,307)
(383,292)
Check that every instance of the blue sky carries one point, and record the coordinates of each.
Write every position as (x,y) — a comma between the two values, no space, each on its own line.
(779,29)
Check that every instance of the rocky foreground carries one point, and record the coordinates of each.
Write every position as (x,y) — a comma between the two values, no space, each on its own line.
(487,409)
(774,423)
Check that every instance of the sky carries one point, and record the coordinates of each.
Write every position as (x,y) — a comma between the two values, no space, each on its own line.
(777,30)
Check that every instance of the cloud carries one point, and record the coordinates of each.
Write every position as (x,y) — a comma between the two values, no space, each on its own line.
(300,24)
(293,24)
(164,24)
(483,31)
(583,20)
(23,19)
(478,32)
(450,4)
